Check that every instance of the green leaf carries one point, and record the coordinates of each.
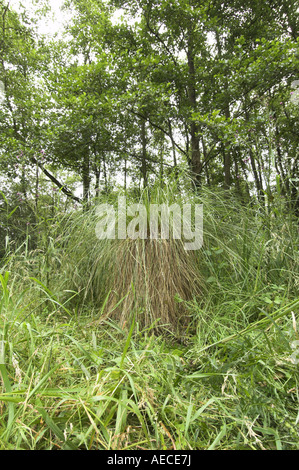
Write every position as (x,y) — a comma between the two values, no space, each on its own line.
(67,445)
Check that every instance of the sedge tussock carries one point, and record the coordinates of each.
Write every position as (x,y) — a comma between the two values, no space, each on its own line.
(154,278)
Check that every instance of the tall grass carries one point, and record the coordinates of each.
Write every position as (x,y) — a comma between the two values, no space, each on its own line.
(76,377)
(146,278)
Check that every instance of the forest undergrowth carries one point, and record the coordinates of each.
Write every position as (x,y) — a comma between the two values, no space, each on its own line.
(75,375)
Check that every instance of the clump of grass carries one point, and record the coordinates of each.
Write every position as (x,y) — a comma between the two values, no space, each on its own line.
(152,278)
(248,255)
(148,278)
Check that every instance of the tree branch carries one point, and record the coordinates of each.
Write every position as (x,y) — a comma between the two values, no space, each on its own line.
(158,37)
(61,186)
(156,126)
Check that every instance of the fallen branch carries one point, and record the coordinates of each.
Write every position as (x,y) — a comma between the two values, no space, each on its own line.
(63,188)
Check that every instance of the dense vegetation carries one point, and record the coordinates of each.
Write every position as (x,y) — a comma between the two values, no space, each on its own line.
(124,344)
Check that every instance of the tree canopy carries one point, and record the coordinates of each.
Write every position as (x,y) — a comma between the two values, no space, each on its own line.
(134,90)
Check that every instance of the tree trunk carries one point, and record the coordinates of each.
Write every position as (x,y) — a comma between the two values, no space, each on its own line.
(97,171)
(125,175)
(105,174)
(196,166)
(36,187)
(226,164)
(257,177)
(143,154)
(175,163)
(257,180)
(86,179)
(227,156)
(225,151)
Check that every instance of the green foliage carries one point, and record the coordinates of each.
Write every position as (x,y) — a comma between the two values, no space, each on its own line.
(75,386)
(164,86)
(171,102)
(74,380)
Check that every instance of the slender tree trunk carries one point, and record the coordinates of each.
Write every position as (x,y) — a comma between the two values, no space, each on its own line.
(226,164)
(238,187)
(257,176)
(36,187)
(294,189)
(86,179)
(225,151)
(143,153)
(175,164)
(278,161)
(23,183)
(187,145)
(257,180)
(196,166)
(97,171)
(206,169)
(125,175)
(161,172)
(105,174)
(227,157)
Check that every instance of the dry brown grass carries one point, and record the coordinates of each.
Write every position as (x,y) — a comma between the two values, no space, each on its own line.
(151,276)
